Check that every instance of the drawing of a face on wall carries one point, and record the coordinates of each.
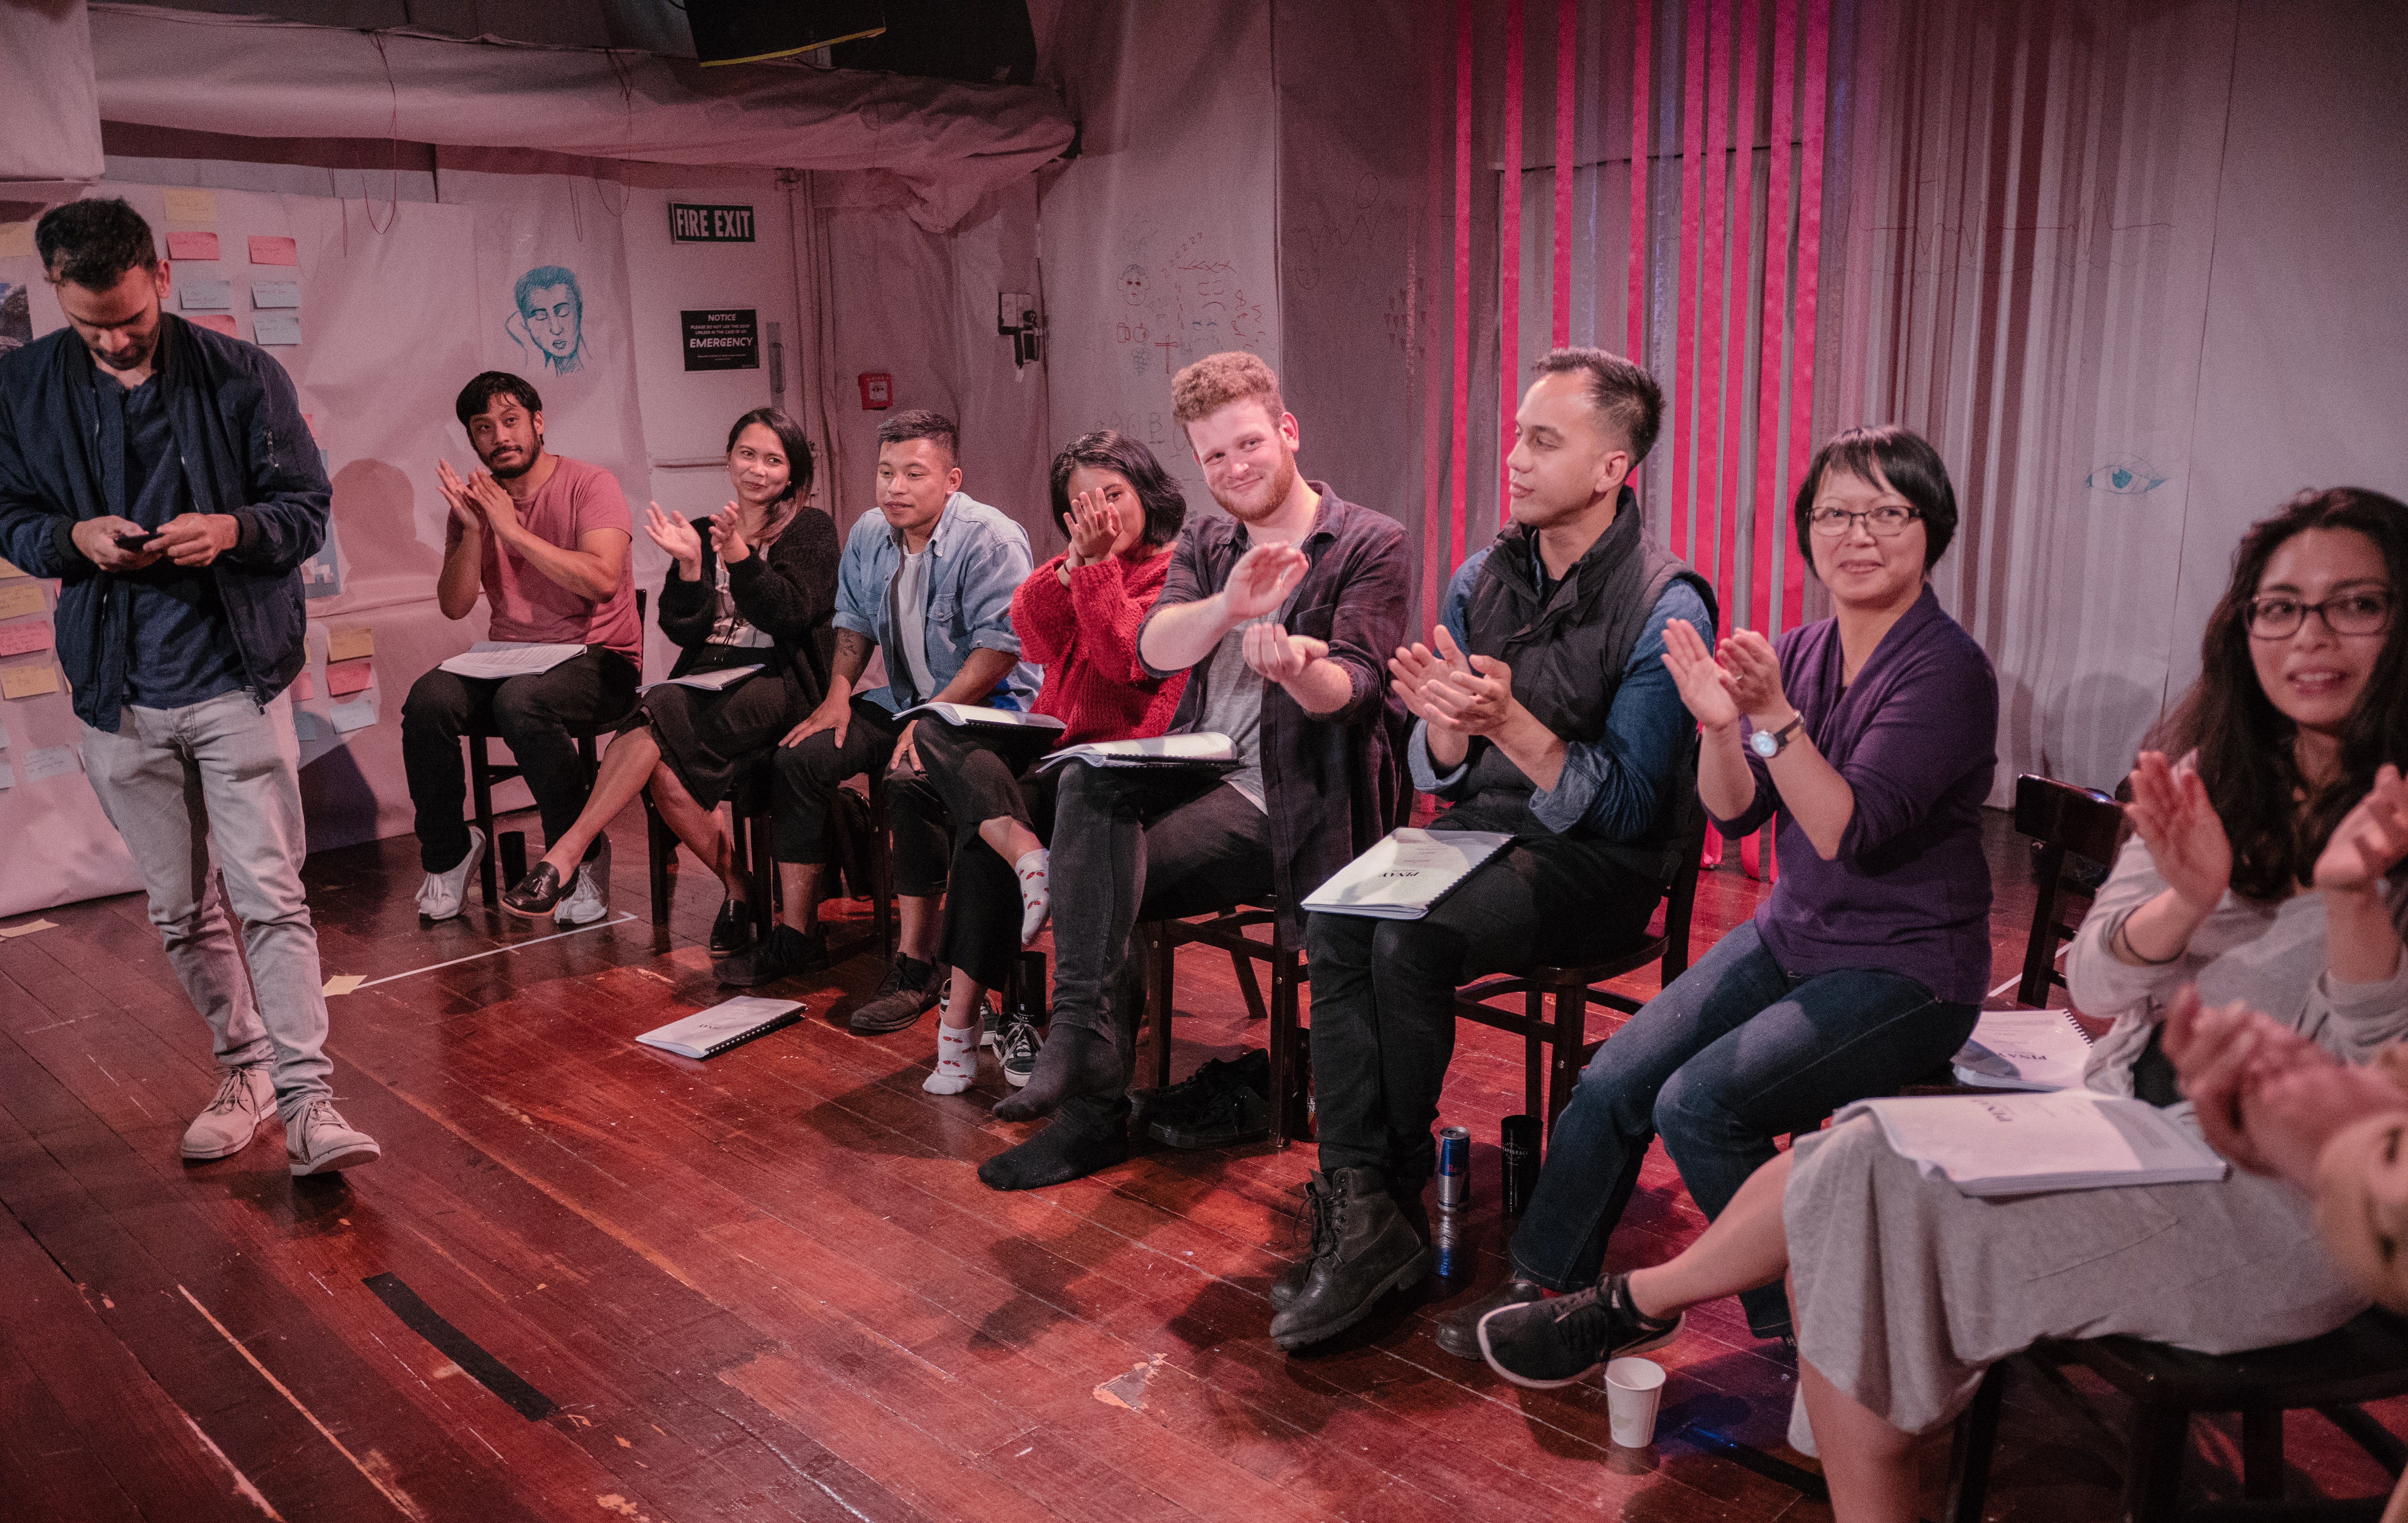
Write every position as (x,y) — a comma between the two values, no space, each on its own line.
(1133,285)
(550,318)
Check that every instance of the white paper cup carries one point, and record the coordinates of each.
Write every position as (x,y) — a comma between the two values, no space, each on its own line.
(1633,1389)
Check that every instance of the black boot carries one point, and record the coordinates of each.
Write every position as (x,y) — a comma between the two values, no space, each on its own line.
(1290,1284)
(1363,1247)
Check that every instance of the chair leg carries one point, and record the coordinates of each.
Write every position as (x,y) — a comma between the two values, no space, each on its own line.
(2153,1463)
(1563,1067)
(1243,967)
(1534,1055)
(1286,1040)
(481,792)
(2261,1453)
(1970,1450)
(656,858)
(763,871)
(1158,975)
(881,874)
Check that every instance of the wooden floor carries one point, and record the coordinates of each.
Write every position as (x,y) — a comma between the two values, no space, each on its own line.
(592,1281)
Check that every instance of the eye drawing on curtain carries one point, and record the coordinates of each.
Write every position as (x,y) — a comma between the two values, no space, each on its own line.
(2126,474)
(550,318)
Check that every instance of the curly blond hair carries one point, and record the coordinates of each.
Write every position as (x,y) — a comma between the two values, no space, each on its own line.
(1216,381)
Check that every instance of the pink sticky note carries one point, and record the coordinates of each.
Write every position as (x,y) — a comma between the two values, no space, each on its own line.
(303,689)
(192,246)
(348,677)
(223,322)
(17,638)
(311,420)
(273,250)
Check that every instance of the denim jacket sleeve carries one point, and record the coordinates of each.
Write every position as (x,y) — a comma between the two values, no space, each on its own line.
(994,565)
(860,582)
(1614,784)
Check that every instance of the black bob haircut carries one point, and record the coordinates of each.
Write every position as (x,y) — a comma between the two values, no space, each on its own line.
(791,439)
(1627,395)
(479,395)
(922,424)
(1108,449)
(94,243)
(1884,452)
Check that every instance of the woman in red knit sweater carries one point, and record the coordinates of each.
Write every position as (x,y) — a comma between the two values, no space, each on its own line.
(1078,616)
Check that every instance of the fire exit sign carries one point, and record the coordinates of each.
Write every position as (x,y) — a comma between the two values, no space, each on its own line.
(710,224)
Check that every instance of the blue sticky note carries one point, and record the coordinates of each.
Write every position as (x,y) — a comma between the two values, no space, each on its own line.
(206,296)
(357,714)
(275,293)
(276,328)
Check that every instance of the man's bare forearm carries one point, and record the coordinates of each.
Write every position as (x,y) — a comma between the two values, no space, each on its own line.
(1176,638)
(981,670)
(463,576)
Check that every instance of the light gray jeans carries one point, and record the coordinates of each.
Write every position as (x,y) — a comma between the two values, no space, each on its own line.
(222,776)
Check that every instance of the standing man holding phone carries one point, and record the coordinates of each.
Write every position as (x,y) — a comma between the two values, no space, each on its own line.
(164,475)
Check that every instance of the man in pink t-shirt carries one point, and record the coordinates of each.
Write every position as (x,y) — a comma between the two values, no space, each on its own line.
(544,540)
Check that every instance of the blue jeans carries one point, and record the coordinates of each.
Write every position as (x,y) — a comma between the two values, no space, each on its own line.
(1735,1053)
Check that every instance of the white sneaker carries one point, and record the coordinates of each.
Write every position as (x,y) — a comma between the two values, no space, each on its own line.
(440,896)
(319,1140)
(589,898)
(246,1097)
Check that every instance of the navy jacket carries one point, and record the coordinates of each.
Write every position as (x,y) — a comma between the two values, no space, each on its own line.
(246,452)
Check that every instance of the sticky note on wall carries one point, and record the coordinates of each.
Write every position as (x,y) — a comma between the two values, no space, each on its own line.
(357,714)
(274,250)
(18,639)
(16,241)
(348,677)
(276,294)
(28,681)
(276,328)
(16,602)
(206,296)
(350,642)
(51,761)
(192,246)
(189,206)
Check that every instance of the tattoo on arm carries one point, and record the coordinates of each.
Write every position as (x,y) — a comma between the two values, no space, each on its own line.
(852,650)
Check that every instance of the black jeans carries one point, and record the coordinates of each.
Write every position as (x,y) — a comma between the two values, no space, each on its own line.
(809,772)
(534,715)
(1384,990)
(1131,846)
(965,782)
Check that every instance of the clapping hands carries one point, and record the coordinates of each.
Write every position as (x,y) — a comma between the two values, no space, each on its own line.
(2370,839)
(2266,1097)
(1093,527)
(1463,694)
(2170,811)
(678,538)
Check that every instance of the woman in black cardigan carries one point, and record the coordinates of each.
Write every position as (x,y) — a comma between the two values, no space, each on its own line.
(753,586)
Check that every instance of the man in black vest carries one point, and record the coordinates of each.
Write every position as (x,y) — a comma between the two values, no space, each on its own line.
(1544,710)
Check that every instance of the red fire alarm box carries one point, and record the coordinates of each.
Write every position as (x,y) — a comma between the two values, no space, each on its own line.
(877,390)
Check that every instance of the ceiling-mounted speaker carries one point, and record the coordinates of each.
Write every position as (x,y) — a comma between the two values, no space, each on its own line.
(749,31)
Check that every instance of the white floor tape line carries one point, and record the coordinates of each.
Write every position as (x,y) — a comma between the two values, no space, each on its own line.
(599,925)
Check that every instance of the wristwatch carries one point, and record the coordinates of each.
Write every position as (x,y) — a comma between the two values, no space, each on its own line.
(1770,743)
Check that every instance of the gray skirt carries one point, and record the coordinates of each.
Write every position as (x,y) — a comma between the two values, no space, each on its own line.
(1906,1290)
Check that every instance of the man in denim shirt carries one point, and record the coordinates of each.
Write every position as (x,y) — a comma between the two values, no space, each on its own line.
(164,475)
(929,580)
(1544,713)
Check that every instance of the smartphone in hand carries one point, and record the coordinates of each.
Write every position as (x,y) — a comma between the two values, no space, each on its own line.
(132,543)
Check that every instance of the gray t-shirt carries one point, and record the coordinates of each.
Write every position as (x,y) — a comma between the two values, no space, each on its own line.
(1233,705)
(911,622)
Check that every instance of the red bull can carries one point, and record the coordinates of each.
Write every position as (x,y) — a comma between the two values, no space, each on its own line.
(1454,1166)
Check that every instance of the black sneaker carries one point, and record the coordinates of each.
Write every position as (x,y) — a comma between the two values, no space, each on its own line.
(991,1023)
(1239,1113)
(907,992)
(1563,1342)
(787,952)
(1459,1334)
(731,932)
(1195,1093)
(1019,1044)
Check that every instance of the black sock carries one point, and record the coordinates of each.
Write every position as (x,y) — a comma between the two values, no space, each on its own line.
(1060,1153)
(1075,1061)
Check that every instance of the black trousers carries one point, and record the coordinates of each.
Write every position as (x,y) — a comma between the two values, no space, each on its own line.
(1131,846)
(964,782)
(808,774)
(1384,990)
(534,715)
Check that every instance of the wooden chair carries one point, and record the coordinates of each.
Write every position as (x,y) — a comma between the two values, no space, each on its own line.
(484,773)
(2364,1360)
(1229,931)
(1558,1044)
(2064,821)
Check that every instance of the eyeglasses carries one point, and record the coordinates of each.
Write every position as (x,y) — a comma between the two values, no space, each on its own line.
(1886,521)
(2365,611)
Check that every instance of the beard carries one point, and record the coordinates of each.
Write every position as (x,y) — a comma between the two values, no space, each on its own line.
(1274,493)
(517,468)
(134,358)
